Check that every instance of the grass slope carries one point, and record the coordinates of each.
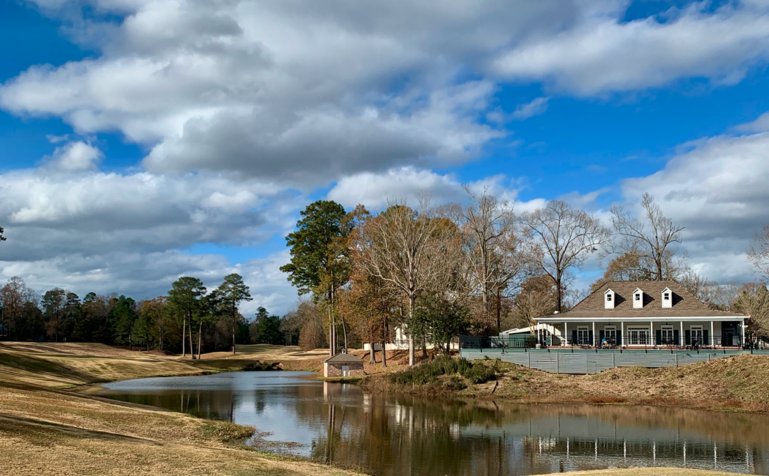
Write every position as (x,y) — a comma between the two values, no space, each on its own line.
(48,428)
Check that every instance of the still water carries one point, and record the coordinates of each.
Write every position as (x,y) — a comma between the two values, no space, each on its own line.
(388,435)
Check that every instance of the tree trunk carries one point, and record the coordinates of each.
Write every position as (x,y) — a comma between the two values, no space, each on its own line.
(184,336)
(411,337)
(200,334)
(192,347)
(233,333)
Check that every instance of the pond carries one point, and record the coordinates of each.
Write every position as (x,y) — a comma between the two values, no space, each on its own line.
(395,435)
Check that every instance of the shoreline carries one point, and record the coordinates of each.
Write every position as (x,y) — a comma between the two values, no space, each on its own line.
(75,406)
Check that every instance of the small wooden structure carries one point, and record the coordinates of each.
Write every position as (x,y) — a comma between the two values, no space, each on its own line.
(343,365)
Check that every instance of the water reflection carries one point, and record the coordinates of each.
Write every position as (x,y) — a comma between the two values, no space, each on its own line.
(340,424)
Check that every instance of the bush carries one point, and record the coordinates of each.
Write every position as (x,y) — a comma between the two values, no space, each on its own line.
(429,373)
(480,373)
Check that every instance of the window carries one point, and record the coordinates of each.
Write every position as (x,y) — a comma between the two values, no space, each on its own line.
(637,296)
(638,299)
(668,336)
(638,336)
(667,298)
(608,302)
(697,337)
(583,336)
(610,334)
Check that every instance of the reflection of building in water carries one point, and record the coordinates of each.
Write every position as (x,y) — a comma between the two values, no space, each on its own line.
(575,442)
(573,454)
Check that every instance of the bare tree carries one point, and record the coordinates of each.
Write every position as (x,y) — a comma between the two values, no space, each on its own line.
(753,300)
(563,237)
(759,252)
(399,246)
(492,250)
(650,238)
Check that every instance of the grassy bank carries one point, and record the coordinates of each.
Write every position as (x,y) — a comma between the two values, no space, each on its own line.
(738,383)
(49,426)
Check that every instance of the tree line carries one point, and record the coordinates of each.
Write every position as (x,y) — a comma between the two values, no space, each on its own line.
(478,268)
(188,320)
(436,273)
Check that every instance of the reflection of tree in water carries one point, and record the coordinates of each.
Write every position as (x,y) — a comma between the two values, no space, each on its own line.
(214,405)
(409,435)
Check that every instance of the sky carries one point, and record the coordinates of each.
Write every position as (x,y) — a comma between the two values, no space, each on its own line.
(144,140)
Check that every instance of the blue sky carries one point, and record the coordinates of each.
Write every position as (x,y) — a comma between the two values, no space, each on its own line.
(145,140)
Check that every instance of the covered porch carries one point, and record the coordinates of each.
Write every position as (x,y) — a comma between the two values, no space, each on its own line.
(664,332)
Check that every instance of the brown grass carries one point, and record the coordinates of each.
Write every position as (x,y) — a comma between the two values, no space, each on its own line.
(649,472)
(49,426)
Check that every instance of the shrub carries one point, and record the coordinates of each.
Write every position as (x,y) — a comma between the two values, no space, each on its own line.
(428,373)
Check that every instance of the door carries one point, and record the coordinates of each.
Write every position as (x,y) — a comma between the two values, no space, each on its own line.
(638,336)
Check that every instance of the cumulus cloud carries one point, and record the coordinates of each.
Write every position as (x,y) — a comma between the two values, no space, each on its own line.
(304,95)
(128,233)
(716,188)
(604,54)
(413,186)
(75,157)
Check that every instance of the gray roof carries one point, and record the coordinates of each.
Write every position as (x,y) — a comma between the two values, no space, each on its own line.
(344,359)
(684,303)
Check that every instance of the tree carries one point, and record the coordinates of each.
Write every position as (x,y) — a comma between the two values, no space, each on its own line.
(2,237)
(311,335)
(53,309)
(753,300)
(122,315)
(13,298)
(319,262)
(442,318)
(186,296)
(492,250)
(758,253)
(650,238)
(231,293)
(562,238)
(402,248)
(625,267)
(536,298)
(266,328)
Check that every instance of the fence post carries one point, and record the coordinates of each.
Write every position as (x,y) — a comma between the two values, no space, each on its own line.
(529,359)
(557,362)
(676,355)
(614,360)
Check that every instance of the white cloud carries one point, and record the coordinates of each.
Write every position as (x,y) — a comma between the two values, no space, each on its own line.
(603,54)
(75,157)
(305,95)
(533,108)
(717,190)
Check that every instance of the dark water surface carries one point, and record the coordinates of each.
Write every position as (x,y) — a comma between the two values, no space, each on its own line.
(387,435)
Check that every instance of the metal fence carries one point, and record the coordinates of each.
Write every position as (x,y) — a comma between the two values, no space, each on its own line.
(614,341)
(580,361)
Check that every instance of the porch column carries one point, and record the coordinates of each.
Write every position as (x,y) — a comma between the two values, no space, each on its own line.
(712,336)
(565,339)
(652,337)
(622,333)
(681,335)
(742,332)
(594,335)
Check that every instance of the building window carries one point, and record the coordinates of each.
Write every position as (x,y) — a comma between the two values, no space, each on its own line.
(608,298)
(668,336)
(666,296)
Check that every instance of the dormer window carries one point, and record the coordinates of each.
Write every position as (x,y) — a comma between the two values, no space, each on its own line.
(667,298)
(638,299)
(608,302)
